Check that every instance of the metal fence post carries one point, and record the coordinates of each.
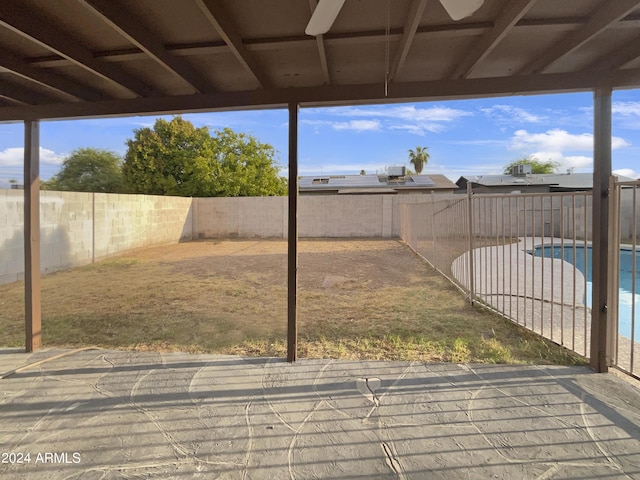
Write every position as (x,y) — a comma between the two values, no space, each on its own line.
(614,270)
(472,295)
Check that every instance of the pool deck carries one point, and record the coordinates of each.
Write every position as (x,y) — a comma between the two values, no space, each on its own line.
(115,415)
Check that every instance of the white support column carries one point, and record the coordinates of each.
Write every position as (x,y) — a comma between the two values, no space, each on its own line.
(600,360)
(33,315)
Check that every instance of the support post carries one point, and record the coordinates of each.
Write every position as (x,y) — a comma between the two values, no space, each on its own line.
(32,310)
(613,292)
(600,357)
(292,239)
(472,288)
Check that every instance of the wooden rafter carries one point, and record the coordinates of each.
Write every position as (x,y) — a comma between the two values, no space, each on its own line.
(408,34)
(15,17)
(615,60)
(14,63)
(321,50)
(21,93)
(134,30)
(605,15)
(326,95)
(511,13)
(223,23)
(435,32)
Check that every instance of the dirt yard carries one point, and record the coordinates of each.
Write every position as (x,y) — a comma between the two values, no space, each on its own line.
(357,299)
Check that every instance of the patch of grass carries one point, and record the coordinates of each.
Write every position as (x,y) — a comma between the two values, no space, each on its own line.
(357,300)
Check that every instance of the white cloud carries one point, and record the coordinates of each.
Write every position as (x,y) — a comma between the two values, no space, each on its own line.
(509,113)
(626,109)
(406,112)
(419,128)
(356,125)
(557,140)
(569,150)
(14,156)
(577,162)
(414,120)
(626,172)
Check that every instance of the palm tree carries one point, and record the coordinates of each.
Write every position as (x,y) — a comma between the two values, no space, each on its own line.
(419,158)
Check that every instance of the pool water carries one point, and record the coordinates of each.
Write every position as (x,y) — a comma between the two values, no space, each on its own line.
(580,257)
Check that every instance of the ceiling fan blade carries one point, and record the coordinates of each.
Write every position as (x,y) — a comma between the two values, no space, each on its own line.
(459,9)
(323,17)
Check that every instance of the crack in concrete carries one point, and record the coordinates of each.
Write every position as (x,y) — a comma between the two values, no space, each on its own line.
(391,461)
(376,400)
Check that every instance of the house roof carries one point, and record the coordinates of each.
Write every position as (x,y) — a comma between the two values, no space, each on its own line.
(79,58)
(559,181)
(372,183)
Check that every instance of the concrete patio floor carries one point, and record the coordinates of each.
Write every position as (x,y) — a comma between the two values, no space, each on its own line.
(112,414)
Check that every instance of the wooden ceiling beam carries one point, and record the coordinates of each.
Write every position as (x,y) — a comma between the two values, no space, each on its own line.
(603,17)
(331,95)
(416,9)
(223,23)
(131,28)
(511,13)
(22,94)
(439,32)
(17,18)
(12,62)
(324,65)
(616,60)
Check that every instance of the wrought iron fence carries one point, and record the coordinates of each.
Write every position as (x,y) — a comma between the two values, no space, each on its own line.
(526,256)
(624,271)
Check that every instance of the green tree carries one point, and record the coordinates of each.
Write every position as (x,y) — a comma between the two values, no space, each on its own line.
(170,159)
(537,166)
(89,170)
(245,167)
(419,158)
(176,158)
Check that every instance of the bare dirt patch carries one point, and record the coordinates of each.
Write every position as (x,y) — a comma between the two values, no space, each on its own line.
(357,299)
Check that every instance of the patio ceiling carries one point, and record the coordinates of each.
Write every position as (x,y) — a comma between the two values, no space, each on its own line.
(78,58)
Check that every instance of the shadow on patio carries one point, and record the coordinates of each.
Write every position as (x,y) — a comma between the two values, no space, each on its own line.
(175,415)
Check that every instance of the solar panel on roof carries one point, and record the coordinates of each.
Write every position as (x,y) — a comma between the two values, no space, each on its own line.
(422,180)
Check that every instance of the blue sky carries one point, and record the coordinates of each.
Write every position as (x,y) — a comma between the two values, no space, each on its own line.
(465,137)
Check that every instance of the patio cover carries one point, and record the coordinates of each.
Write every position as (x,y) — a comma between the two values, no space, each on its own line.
(91,58)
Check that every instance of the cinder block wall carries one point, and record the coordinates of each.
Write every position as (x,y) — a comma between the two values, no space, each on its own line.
(79,228)
(11,235)
(324,216)
(240,217)
(127,222)
(66,230)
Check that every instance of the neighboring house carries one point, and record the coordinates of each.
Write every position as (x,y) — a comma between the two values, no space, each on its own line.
(374,184)
(529,183)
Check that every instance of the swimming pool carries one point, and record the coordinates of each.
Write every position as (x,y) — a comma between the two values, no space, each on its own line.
(580,257)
